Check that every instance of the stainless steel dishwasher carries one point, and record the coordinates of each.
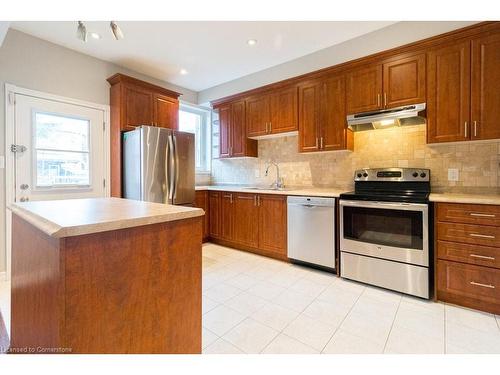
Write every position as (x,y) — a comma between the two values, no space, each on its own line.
(311,230)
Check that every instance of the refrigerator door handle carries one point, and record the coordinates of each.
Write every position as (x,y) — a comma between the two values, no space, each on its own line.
(169,168)
(176,167)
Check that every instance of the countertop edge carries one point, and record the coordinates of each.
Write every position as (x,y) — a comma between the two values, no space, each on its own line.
(464,198)
(335,193)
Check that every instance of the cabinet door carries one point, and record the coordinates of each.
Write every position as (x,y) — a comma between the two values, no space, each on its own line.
(238,135)
(404,81)
(246,220)
(485,99)
(284,111)
(364,89)
(137,107)
(214,210)
(448,93)
(309,116)
(166,112)
(225,131)
(201,200)
(227,216)
(257,115)
(333,116)
(273,224)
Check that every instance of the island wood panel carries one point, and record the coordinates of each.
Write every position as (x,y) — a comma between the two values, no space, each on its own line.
(485,102)
(135,290)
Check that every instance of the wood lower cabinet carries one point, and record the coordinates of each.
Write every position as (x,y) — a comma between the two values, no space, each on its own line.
(273,224)
(201,200)
(468,255)
(253,222)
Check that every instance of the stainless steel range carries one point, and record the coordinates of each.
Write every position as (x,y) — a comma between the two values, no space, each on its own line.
(384,230)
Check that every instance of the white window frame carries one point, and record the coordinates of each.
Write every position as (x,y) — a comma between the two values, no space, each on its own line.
(206,141)
(10,91)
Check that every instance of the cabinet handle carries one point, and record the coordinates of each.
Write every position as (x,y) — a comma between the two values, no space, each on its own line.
(270,127)
(255,200)
(475,128)
(378,100)
(481,235)
(258,200)
(317,143)
(481,215)
(465,129)
(385,99)
(231,198)
(321,142)
(267,128)
(483,285)
(481,257)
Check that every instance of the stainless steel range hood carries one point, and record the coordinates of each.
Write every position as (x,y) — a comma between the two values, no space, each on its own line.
(400,116)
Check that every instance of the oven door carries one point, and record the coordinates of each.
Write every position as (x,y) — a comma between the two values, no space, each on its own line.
(386,230)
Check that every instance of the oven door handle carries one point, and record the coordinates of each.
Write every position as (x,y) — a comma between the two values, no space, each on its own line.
(387,205)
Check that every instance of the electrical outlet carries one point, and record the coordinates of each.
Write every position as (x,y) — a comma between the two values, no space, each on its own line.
(452,174)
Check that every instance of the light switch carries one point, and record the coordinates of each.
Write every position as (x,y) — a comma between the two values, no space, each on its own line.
(2,162)
(452,174)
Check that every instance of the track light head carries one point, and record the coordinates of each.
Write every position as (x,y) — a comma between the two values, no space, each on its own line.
(81,32)
(115,29)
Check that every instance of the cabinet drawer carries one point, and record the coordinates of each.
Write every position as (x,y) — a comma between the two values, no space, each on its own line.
(471,254)
(469,213)
(471,234)
(472,282)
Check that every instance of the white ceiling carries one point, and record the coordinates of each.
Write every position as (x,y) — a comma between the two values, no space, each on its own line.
(211,52)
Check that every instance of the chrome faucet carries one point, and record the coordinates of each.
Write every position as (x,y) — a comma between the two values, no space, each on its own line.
(279,183)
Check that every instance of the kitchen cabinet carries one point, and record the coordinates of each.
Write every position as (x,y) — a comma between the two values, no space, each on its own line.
(464,87)
(253,222)
(272,219)
(272,113)
(448,99)
(246,227)
(232,134)
(468,255)
(392,83)
(133,103)
(201,200)
(322,116)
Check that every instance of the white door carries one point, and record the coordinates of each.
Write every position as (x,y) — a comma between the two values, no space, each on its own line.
(59,150)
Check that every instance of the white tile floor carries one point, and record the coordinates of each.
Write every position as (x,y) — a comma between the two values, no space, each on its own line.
(253,304)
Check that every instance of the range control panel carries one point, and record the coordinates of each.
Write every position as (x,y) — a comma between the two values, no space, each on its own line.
(393,174)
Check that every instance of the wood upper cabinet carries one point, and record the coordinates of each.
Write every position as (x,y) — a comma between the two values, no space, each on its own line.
(214,203)
(485,97)
(272,112)
(322,115)
(364,89)
(246,227)
(448,93)
(404,81)
(134,103)
(272,221)
(309,116)
(166,111)
(258,115)
(233,141)
(226,216)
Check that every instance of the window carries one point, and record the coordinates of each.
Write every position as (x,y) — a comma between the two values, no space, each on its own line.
(61,151)
(196,120)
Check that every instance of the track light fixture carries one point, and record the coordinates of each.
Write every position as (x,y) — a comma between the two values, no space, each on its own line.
(117,32)
(81,31)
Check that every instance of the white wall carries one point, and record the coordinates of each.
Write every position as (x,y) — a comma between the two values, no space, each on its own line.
(36,64)
(389,37)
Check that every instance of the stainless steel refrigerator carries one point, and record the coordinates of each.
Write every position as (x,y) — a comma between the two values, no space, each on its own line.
(159,165)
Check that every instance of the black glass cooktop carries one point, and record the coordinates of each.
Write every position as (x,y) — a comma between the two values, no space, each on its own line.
(388,196)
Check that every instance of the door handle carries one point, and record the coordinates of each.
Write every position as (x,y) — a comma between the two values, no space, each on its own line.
(481,257)
(481,235)
(483,285)
(176,165)
(169,168)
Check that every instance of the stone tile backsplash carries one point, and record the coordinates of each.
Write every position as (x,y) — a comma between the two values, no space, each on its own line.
(477,162)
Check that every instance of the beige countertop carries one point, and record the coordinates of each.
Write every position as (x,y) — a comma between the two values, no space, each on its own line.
(465,198)
(310,191)
(74,217)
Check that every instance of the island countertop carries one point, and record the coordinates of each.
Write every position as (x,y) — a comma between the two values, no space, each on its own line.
(74,217)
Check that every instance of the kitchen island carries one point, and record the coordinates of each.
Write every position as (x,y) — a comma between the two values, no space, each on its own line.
(105,275)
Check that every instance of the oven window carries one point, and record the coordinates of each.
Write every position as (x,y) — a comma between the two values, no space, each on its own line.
(397,228)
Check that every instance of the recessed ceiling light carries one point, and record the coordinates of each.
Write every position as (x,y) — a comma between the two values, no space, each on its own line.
(95,35)
(184,72)
(252,42)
